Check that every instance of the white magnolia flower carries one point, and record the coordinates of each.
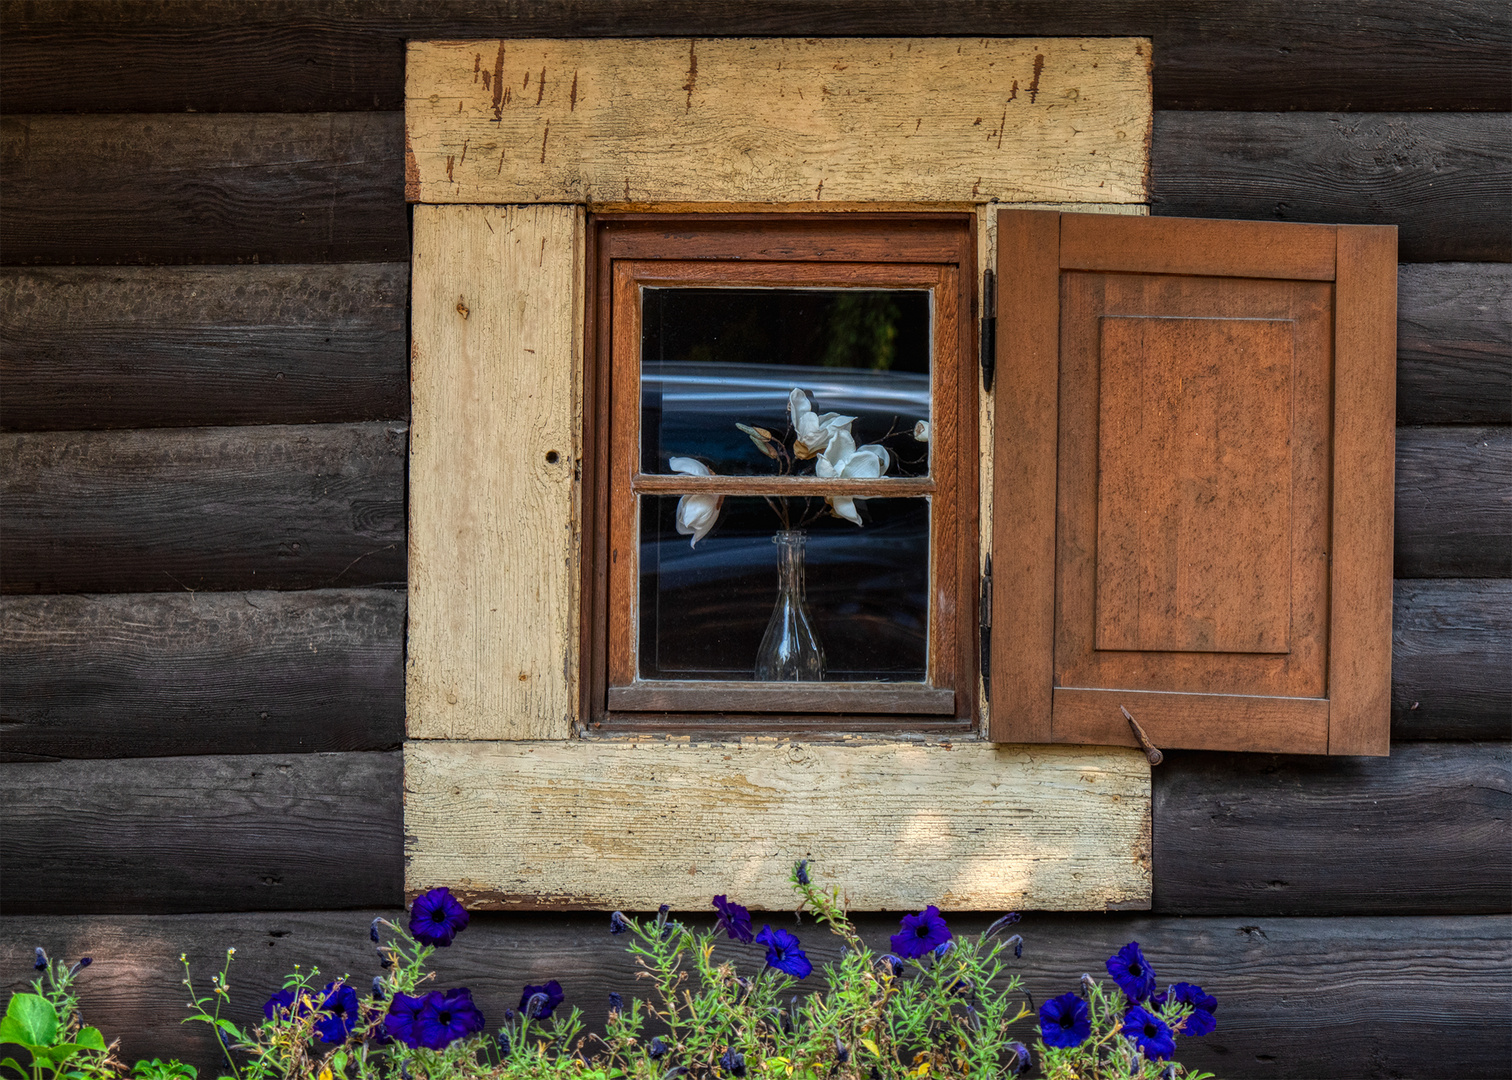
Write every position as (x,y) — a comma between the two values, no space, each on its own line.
(921,431)
(814,430)
(844,460)
(696,514)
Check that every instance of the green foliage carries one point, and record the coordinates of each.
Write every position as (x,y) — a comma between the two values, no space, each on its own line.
(46,1024)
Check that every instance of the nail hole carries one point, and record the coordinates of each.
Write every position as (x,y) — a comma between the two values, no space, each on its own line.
(552,457)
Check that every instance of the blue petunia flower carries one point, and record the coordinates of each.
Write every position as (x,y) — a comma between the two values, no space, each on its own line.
(1201,1021)
(340,1011)
(616,1003)
(40,963)
(800,872)
(618,923)
(436,917)
(1132,972)
(732,1061)
(402,1021)
(658,1048)
(447,1017)
(1065,1021)
(1148,1032)
(920,934)
(733,920)
(287,1005)
(783,952)
(552,996)
(1018,1065)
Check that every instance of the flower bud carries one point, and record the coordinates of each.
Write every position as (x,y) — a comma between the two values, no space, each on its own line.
(40,964)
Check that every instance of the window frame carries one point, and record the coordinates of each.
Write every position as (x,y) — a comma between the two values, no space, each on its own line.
(755,246)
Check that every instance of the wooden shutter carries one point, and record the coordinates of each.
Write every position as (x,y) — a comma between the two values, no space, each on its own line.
(1193,483)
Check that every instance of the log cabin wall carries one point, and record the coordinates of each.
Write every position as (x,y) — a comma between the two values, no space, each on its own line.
(204,313)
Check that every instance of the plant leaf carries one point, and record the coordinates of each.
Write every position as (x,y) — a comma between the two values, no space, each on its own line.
(90,1037)
(34,1017)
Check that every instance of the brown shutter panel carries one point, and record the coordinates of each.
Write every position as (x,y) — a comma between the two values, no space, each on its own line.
(1193,483)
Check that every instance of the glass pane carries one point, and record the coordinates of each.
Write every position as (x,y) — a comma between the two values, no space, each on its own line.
(715,358)
(705,609)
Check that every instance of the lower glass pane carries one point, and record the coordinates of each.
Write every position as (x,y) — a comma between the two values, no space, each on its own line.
(752,596)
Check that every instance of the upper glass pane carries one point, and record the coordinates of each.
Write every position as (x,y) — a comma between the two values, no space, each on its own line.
(715,358)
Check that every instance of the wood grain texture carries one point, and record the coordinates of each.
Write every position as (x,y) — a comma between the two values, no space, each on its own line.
(318,55)
(1427,830)
(1444,180)
(634,824)
(158,674)
(678,120)
(202,188)
(86,347)
(1450,675)
(1454,502)
(1151,245)
(252,832)
(1298,997)
(494,466)
(276,507)
(1454,343)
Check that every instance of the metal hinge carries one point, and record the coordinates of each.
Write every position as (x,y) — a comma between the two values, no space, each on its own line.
(985,618)
(989,327)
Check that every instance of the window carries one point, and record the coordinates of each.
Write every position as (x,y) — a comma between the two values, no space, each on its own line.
(784,489)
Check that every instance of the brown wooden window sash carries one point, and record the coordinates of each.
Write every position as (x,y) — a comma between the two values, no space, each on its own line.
(632,252)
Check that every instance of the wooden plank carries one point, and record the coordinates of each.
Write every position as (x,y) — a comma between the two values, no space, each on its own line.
(1425,831)
(1026,407)
(1147,245)
(829,697)
(336,55)
(1300,997)
(1249,723)
(281,507)
(494,472)
(794,486)
(156,674)
(634,824)
(216,833)
(199,188)
(1444,179)
(198,346)
(676,120)
(1454,502)
(1449,673)
(1359,648)
(1454,343)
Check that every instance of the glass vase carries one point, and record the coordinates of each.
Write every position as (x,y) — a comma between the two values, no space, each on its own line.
(790,651)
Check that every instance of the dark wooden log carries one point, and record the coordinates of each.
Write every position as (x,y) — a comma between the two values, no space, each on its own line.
(1444,179)
(1454,343)
(325,187)
(1454,502)
(86,347)
(281,507)
(139,56)
(1451,660)
(248,832)
(159,674)
(1303,998)
(1427,830)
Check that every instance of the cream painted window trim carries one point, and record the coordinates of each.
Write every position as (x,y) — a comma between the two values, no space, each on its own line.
(503,800)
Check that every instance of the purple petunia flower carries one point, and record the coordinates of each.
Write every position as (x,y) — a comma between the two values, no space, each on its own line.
(551,995)
(1018,1065)
(920,934)
(340,1011)
(1201,1021)
(618,923)
(732,1061)
(800,872)
(402,1021)
(40,963)
(436,917)
(1132,972)
(733,920)
(1065,1021)
(446,1017)
(287,1005)
(783,952)
(658,1048)
(1150,1033)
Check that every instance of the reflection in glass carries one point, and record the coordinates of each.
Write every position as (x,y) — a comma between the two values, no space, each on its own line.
(704,609)
(715,358)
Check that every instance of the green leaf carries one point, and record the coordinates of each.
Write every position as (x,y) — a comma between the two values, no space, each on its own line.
(34,1019)
(90,1038)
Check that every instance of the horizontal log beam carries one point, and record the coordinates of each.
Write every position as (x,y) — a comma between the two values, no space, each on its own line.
(254,832)
(1427,830)
(89,347)
(1445,180)
(203,188)
(296,507)
(156,674)
(1454,343)
(1454,502)
(339,55)
(1450,678)
(1299,998)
